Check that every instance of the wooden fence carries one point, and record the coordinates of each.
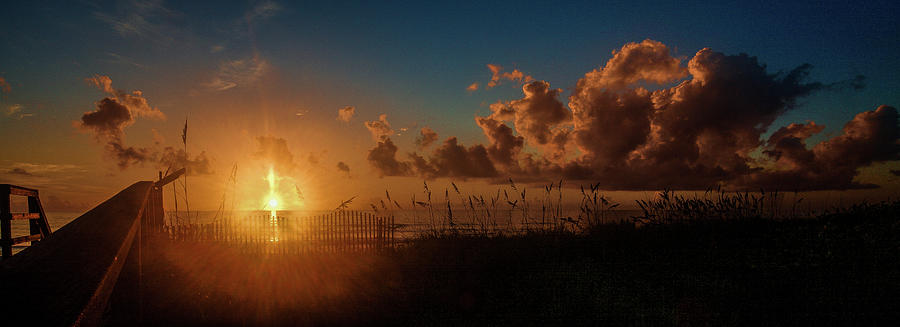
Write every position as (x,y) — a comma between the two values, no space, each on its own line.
(340,231)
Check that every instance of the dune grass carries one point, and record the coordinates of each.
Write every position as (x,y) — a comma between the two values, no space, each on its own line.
(714,259)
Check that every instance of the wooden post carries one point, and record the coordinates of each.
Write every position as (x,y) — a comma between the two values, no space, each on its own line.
(5,223)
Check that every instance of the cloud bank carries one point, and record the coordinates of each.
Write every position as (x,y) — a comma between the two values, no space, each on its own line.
(701,127)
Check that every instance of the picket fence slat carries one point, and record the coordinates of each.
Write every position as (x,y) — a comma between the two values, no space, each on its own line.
(342,231)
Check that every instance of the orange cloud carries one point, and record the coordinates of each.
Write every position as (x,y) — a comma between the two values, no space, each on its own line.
(346,113)
(427,136)
(380,128)
(472,87)
(497,76)
(135,102)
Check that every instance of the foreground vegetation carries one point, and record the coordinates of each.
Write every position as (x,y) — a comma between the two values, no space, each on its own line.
(723,260)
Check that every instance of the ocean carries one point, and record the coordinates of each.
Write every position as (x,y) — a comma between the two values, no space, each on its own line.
(410,221)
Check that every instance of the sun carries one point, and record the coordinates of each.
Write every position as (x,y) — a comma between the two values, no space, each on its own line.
(273,203)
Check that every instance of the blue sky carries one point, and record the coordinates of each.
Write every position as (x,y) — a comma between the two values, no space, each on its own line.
(411,61)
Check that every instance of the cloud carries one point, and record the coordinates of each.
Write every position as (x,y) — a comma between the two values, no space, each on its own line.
(312,159)
(127,156)
(172,159)
(108,120)
(19,171)
(427,136)
(236,73)
(454,160)
(703,131)
(872,136)
(472,87)
(504,147)
(135,102)
(53,202)
(346,113)
(262,10)
(383,157)
(380,128)
(149,20)
(449,160)
(14,111)
(274,151)
(341,166)
(44,169)
(536,117)
(4,86)
(497,76)
(112,115)
(120,59)
(648,61)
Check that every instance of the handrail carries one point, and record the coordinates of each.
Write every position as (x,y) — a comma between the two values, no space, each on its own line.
(66,279)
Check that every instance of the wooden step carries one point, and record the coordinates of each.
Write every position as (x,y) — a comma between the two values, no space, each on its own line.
(18,216)
(23,239)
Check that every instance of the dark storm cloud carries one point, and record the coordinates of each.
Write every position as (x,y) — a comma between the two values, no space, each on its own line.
(701,132)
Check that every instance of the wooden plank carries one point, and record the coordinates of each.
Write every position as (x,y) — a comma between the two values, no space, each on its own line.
(23,239)
(17,190)
(5,224)
(170,178)
(24,216)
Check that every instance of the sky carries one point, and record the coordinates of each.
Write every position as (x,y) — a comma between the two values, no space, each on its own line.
(343,99)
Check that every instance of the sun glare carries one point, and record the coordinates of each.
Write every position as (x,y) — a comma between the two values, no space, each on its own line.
(272,203)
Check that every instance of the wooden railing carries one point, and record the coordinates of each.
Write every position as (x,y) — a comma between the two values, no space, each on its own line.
(67,278)
(37,221)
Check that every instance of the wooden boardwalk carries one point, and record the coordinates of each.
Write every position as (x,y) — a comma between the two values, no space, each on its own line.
(67,278)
